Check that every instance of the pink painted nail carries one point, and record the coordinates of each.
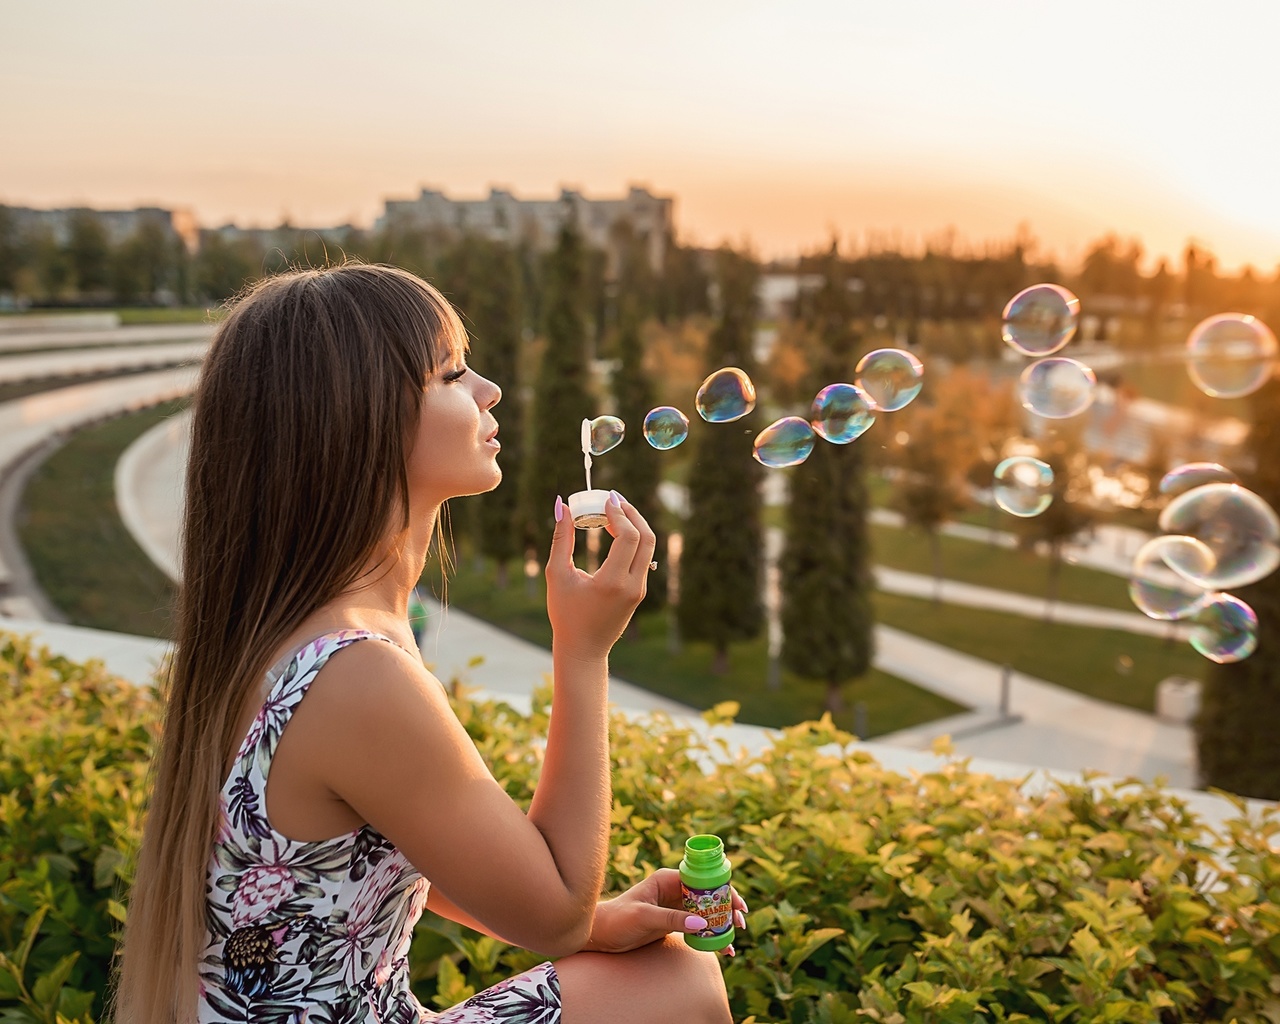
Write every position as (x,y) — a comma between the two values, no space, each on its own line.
(740,919)
(559,508)
(695,923)
(615,499)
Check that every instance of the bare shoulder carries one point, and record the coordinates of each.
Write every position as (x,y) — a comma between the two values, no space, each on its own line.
(372,675)
(379,719)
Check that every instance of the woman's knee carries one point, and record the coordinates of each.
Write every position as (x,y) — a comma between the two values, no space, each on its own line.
(660,982)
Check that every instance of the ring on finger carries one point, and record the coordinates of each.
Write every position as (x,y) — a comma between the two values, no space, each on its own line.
(653,566)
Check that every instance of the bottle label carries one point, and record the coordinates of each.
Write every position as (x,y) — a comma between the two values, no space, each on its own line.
(715,906)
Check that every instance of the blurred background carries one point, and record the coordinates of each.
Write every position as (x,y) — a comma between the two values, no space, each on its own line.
(623,199)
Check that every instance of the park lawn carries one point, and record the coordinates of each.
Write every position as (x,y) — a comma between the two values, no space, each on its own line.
(1108,664)
(84,558)
(643,657)
(972,561)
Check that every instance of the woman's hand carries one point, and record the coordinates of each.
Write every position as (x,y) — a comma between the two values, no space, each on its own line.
(588,611)
(647,912)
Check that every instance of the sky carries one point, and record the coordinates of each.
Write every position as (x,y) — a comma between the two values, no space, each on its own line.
(772,124)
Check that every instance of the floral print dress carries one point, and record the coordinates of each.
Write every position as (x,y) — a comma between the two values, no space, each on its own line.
(319,932)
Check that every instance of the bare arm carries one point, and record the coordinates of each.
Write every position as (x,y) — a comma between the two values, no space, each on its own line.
(395,752)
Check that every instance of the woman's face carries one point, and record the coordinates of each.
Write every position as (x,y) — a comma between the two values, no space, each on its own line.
(455,449)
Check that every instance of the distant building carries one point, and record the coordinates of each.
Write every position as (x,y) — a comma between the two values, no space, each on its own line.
(285,237)
(118,224)
(502,217)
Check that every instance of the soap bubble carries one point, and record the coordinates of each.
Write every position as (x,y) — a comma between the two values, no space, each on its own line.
(1237,526)
(1040,320)
(785,442)
(1057,388)
(665,427)
(1230,355)
(1023,486)
(841,413)
(725,396)
(1158,591)
(1225,630)
(890,377)
(1181,479)
(606,434)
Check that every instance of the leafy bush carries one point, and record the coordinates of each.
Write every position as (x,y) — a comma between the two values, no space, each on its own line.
(74,743)
(947,896)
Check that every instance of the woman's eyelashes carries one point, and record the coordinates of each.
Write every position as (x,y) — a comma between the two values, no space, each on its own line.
(455,375)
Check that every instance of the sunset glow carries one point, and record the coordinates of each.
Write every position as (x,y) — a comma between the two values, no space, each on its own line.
(769,122)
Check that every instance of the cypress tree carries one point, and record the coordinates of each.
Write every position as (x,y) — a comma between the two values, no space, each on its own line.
(720,571)
(827,616)
(1236,730)
(635,465)
(561,399)
(497,320)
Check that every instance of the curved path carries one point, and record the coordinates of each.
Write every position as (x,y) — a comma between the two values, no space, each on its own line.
(63,363)
(142,334)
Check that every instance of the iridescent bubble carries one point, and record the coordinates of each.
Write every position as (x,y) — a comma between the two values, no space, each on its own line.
(665,427)
(606,434)
(725,396)
(1225,630)
(1236,525)
(785,442)
(1230,355)
(1158,591)
(1023,486)
(1040,320)
(890,377)
(1057,388)
(841,413)
(1181,479)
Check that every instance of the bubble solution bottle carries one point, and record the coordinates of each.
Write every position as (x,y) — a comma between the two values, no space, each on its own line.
(704,883)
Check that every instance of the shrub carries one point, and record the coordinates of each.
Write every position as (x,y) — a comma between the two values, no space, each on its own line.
(938,897)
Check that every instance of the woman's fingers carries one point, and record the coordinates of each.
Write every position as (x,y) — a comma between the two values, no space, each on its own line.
(624,526)
(560,560)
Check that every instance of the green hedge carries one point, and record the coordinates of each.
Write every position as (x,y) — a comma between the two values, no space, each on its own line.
(941,897)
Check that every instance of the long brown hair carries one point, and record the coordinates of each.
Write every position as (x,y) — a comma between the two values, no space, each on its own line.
(302,423)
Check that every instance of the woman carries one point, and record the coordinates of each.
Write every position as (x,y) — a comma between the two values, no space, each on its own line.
(334,414)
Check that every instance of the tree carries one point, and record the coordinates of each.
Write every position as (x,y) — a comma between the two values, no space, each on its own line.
(1236,730)
(498,327)
(561,399)
(222,268)
(10,251)
(827,618)
(1068,514)
(143,265)
(720,573)
(928,489)
(634,467)
(89,253)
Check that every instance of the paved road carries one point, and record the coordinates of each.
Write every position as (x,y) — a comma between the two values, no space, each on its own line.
(35,424)
(143,334)
(1057,728)
(64,363)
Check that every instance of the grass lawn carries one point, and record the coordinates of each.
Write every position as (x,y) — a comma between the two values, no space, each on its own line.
(643,658)
(972,561)
(83,557)
(1102,663)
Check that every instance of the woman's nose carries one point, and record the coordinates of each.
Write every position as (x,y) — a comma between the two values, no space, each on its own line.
(494,396)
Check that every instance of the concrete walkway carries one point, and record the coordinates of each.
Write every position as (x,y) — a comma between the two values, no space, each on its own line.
(142,334)
(1055,728)
(33,424)
(38,366)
